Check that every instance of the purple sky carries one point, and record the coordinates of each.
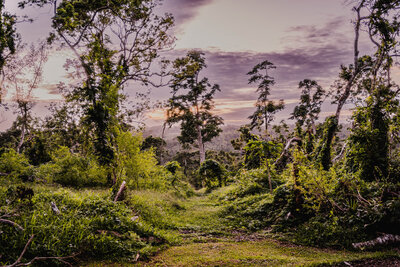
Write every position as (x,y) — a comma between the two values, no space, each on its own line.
(304,39)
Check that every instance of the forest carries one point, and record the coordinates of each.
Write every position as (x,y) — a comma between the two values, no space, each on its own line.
(90,185)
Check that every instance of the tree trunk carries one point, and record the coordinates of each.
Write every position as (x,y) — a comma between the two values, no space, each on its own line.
(24,112)
(201,145)
(269,177)
(343,98)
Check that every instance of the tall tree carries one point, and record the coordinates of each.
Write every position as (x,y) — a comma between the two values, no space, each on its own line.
(380,19)
(8,40)
(265,108)
(114,42)
(23,74)
(308,110)
(192,102)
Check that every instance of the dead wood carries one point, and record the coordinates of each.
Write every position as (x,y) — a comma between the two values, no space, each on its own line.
(385,239)
(120,192)
(12,223)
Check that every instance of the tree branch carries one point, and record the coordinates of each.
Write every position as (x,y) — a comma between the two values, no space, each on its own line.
(16,263)
(12,223)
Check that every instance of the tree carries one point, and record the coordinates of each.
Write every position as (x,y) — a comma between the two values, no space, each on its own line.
(212,173)
(23,74)
(114,42)
(308,110)
(157,143)
(8,42)
(261,152)
(265,108)
(192,102)
(8,36)
(381,23)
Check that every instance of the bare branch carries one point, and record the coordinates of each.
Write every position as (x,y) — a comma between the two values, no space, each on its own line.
(16,263)
(12,223)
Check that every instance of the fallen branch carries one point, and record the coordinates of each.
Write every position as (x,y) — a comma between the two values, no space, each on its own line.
(385,239)
(62,259)
(120,191)
(19,263)
(12,223)
(22,253)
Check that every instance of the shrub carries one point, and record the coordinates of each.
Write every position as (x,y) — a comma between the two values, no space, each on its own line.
(75,170)
(139,168)
(172,166)
(16,165)
(89,223)
(212,174)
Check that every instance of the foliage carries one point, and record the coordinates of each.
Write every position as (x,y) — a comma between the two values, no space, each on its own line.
(172,166)
(15,165)
(114,42)
(192,102)
(74,170)
(266,108)
(190,164)
(212,173)
(157,143)
(258,152)
(324,149)
(8,37)
(244,138)
(231,161)
(139,168)
(308,110)
(89,224)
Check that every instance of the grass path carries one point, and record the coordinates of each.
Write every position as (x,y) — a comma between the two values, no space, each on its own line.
(207,242)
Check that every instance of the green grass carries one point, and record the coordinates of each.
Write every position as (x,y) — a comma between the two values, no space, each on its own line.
(254,253)
(197,233)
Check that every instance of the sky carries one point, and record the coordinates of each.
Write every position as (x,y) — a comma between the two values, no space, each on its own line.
(307,39)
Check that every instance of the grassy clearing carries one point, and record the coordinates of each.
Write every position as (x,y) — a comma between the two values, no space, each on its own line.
(192,228)
(209,243)
(254,253)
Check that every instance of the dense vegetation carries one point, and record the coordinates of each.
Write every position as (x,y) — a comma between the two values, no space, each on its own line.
(84,184)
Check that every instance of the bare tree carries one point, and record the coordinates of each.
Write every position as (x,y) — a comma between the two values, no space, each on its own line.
(22,75)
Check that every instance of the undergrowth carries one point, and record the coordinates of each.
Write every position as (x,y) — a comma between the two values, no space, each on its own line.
(89,224)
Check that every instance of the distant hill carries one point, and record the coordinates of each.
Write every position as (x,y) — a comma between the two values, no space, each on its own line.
(222,142)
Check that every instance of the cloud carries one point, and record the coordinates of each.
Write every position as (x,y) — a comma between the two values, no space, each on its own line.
(315,52)
(334,30)
(318,54)
(236,100)
(183,10)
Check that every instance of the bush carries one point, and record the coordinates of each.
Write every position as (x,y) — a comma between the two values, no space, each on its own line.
(75,170)
(89,223)
(212,174)
(16,165)
(172,166)
(138,168)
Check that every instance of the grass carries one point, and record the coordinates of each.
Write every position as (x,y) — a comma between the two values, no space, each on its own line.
(206,241)
(197,234)
(254,253)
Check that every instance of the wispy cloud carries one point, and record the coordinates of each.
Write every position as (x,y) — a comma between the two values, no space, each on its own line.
(184,10)
(318,53)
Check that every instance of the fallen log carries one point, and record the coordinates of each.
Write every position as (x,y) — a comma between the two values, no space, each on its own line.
(385,239)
